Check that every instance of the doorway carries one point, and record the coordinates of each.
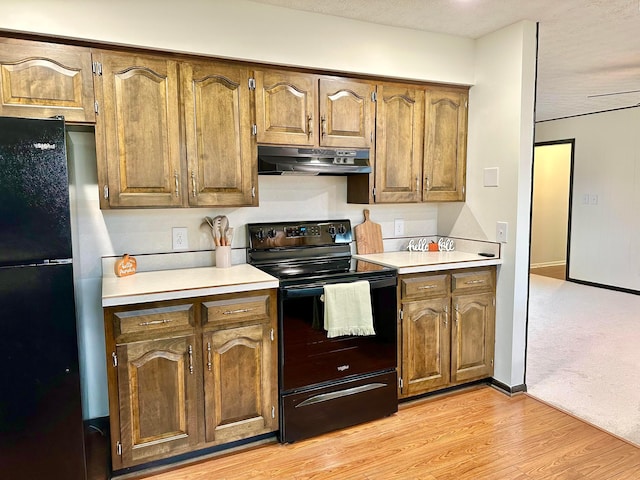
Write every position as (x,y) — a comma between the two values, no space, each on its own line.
(551,208)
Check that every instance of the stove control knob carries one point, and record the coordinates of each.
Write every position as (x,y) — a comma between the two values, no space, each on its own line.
(342,229)
(332,230)
(260,235)
(271,232)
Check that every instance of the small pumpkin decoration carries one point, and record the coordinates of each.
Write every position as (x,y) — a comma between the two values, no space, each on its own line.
(125,266)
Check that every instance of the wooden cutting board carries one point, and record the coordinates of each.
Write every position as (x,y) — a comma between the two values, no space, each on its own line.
(368,236)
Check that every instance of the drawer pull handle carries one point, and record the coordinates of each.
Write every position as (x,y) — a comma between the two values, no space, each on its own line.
(240,310)
(472,282)
(427,287)
(325,397)
(190,360)
(209,364)
(154,322)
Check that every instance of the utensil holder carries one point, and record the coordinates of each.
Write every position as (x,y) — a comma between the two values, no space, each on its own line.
(223,256)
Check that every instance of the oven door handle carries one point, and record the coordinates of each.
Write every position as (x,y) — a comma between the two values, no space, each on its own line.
(316,289)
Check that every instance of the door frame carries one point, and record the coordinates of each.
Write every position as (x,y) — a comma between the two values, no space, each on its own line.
(572,142)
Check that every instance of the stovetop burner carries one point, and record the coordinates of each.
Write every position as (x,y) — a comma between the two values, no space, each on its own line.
(306,251)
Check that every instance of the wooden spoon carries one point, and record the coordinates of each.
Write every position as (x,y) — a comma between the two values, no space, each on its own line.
(224,227)
(217,221)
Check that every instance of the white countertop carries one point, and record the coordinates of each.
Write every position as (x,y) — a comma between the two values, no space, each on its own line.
(416,262)
(182,283)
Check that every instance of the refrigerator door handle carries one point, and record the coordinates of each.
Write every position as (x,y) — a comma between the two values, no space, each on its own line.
(57,261)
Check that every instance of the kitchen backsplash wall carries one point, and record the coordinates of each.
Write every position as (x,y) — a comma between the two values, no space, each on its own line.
(99,233)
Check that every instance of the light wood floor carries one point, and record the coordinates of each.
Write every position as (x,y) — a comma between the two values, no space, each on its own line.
(556,271)
(475,434)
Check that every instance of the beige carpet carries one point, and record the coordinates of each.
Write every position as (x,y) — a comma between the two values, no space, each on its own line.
(583,353)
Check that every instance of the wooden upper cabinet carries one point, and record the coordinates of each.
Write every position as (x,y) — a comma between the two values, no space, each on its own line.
(40,80)
(221,152)
(445,153)
(399,144)
(286,108)
(138,131)
(346,113)
(314,111)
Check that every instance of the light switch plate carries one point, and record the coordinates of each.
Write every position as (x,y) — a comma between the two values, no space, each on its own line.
(491,177)
(501,232)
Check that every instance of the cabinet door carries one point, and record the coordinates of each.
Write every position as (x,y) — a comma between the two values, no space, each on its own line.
(137,132)
(346,113)
(221,152)
(425,345)
(239,390)
(473,336)
(157,397)
(286,108)
(399,144)
(445,154)
(42,80)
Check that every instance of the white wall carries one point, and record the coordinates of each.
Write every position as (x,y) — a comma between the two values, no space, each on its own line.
(501,135)
(550,209)
(251,31)
(242,29)
(604,232)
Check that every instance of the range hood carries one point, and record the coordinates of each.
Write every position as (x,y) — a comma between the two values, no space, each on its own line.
(311,161)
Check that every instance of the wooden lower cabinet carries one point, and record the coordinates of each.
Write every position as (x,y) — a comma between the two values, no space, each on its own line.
(157,398)
(425,345)
(189,374)
(240,387)
(472,336)
(447,329)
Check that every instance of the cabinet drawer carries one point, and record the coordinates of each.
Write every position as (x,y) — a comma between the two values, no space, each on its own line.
(133,324)
(473,280)
(424,286)
(236,311)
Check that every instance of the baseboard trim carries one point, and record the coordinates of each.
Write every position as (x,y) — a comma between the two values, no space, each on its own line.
(507,389)
(547,264)
(602,285)
(170,463)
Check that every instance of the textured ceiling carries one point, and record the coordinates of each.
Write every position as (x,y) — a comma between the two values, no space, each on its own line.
(588,50)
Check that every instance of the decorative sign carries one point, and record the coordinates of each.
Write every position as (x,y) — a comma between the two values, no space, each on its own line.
(425,245)
(125,266)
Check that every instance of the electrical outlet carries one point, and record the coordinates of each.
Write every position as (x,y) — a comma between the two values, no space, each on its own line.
(501,232)
(398,227)
(180,238)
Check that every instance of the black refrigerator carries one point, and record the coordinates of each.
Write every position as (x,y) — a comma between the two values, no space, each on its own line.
(41,429)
